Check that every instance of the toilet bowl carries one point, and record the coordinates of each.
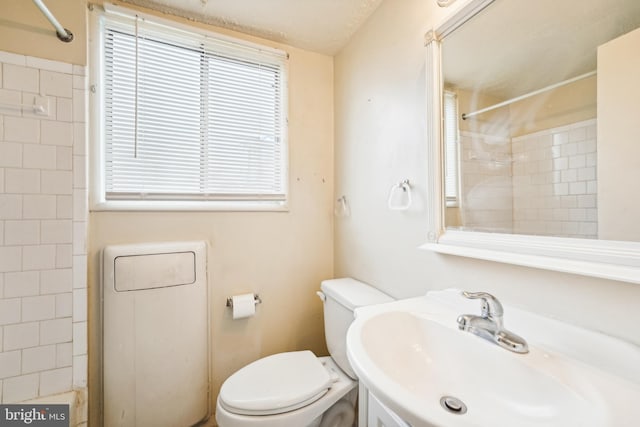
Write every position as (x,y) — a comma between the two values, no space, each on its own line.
(298,389)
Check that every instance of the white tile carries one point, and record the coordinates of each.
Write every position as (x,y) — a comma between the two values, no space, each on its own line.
(578,188)
(560,138)
(64,354)
(79,70)
(57,182)
(80,205)
(569,175)
(56,84)
(10,364)
(79,172)
(587,201)
(79,271)
(79,82)
(21,284)
(49,65)
(17,77)
(79,238)
(9,311)
(587,174)
(56,331)
(79,102)
(10,258)
(56,231)
(79,305)
(65,207)
(20,129)
(10,154)
(560,163)
(56,133)
(64,158)
(38,308)
(42,257)
(588,228)
(80,371)
(64,305)
(39,206)
(79,139)
(56,281)
(37,156)
(22,335)
(64,109)
(1,180)
(12,100)
(12,58)
(20,388)
(22,181)
(578,134)
(38,359)
(592,187)
(64,256)
(1,349)
(21,232)
(79,338)
(577,161)
(10,206)
(56,381)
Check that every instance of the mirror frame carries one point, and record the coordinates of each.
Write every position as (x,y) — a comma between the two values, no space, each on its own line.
(614,260)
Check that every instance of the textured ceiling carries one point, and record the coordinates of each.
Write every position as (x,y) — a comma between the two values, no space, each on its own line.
(323,26)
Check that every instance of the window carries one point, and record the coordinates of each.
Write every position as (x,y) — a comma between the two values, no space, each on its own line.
(190,118)
(451,184)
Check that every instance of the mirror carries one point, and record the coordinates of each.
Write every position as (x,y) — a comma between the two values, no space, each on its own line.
(541,108)
(503,68)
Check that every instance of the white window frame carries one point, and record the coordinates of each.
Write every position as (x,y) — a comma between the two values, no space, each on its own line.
(451,134)
(97,193)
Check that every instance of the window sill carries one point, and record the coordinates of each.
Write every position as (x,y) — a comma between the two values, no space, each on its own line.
(186,206)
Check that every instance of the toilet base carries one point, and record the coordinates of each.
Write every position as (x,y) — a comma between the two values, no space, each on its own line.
(308,416)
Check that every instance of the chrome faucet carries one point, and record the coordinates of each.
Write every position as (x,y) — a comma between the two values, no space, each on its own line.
(490,325)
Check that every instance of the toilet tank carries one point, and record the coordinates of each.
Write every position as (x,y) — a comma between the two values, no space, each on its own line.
(341,297)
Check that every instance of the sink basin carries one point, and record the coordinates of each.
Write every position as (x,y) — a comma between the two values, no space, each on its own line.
(410,354)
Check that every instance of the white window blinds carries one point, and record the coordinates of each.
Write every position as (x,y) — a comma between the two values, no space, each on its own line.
(191,117)
(451,148)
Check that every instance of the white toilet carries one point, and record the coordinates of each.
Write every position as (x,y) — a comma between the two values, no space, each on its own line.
(298,389)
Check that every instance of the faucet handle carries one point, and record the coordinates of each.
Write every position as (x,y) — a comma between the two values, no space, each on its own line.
(491,307)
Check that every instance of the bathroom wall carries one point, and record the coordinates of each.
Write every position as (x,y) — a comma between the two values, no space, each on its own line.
(282,256)
(380,138)
(25,31)
(43,214)
(618,128)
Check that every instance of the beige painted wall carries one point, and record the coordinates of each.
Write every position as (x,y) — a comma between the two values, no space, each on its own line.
(619,137)
(24,30)
(380,138)
(281,256)
(568,104)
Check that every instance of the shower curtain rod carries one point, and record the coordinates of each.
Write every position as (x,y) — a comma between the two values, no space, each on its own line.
(465,116)
(62,33)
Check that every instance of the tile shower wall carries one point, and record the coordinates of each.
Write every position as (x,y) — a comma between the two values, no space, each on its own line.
(485,186)
(554,182)
(43,214)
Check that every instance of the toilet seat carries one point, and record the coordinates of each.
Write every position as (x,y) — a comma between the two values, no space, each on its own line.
(276,384)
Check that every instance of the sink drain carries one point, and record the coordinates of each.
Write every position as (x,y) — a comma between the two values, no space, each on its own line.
(453,405)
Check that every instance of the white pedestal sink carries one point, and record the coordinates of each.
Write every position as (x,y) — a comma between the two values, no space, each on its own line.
(410,354)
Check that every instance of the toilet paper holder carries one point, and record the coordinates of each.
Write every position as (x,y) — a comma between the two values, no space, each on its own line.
(256,298)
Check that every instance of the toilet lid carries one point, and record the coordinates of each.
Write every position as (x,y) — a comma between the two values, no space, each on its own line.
(276,384)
